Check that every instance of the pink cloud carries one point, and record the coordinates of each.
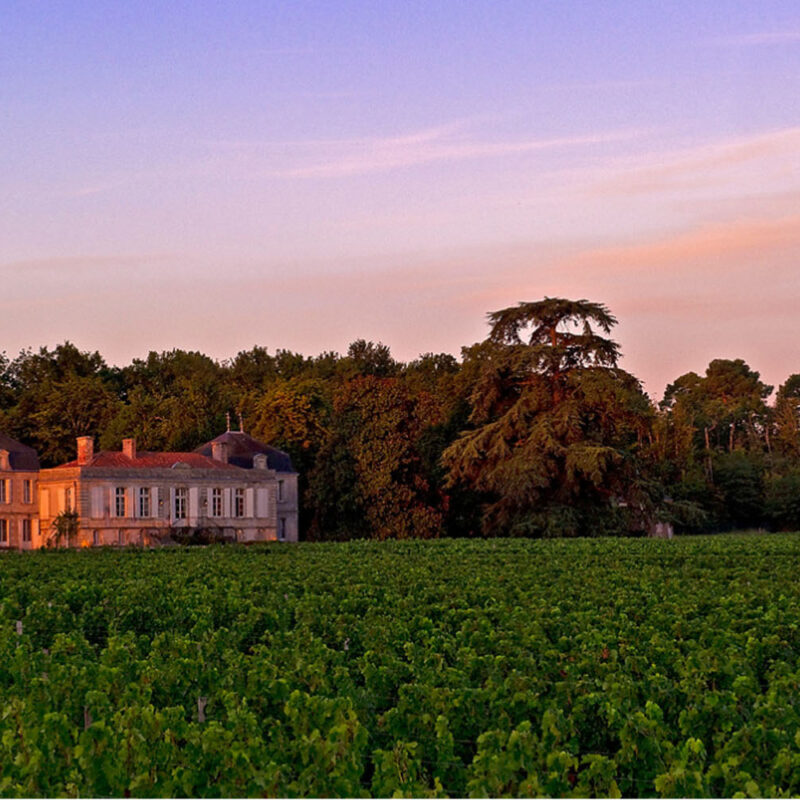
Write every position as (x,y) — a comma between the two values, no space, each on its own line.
(431,145)
(694,166)
(714,245)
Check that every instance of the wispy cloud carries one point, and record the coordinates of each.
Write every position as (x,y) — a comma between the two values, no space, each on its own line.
(691,166)
(72,264)
(723,246)
(758,39)
(444,143)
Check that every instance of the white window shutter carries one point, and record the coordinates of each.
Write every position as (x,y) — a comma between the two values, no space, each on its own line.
(96,500)
(262,502)
(194,503)
(154,510)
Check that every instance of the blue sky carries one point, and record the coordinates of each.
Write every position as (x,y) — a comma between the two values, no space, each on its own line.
(218,175)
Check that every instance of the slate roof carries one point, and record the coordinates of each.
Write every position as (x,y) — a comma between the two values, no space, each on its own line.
(145,460)
(20,456)
(242,448)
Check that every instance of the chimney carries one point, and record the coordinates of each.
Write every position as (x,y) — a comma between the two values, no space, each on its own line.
(129,448)
(219,451)
(85,449)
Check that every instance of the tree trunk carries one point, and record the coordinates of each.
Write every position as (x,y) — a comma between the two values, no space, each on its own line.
(709,468)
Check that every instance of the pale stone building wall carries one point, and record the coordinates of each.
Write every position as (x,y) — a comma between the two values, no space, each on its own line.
(248,453)
(121,501)
(287,505)
(19,512)
(132,498)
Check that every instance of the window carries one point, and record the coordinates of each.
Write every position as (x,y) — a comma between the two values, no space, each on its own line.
(216,502)
(4,491)
(26,530)
(67,499)
(238,503)
(121,537)
(3,531)
(180,503)
(282,529)
(95,538)
(144,501)
(27,494)
(280,490)
(119,501)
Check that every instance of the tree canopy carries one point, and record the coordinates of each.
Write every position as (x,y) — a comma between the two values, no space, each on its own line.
(535,431)
(555,423)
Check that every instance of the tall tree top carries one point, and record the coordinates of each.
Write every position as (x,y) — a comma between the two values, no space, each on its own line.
(565,329)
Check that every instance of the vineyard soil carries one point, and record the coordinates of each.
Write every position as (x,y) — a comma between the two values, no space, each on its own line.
(470,668)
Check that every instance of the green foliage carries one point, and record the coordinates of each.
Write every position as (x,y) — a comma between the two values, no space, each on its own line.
(556,427)
(741,487)
(292,415)
(783,501)
(370,478)
(533,432)
(492,668)
(368,358)
(59,394)
(175,401)
(787,418)
(726,408)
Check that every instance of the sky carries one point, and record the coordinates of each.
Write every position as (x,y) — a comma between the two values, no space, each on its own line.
(217,175)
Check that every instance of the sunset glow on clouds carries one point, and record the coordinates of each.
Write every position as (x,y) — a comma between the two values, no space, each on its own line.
(296,175)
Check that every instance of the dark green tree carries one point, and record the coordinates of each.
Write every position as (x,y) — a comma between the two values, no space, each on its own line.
(56,395)
(368,358)
(556,425)
(727,407)
(787,418)
(175,400)
(370,478)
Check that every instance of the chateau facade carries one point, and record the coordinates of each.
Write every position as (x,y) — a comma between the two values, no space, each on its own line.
(242,490)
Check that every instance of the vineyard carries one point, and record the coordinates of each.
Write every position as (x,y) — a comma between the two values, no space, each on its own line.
(467,668)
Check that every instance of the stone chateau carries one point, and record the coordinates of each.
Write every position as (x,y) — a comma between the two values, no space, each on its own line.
(233,488)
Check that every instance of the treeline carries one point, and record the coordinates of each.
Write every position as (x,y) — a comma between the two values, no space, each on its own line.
(536,431)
